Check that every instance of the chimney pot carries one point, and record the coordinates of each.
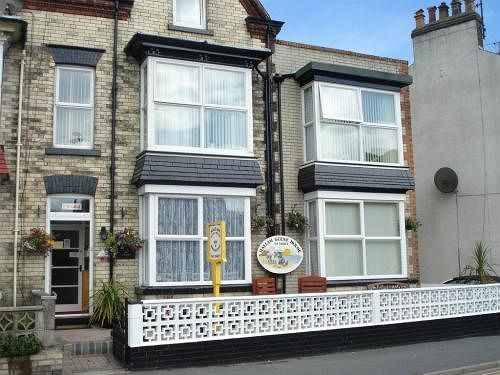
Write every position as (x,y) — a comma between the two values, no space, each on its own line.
(470,6)
(456,7)
(419,18)
(443,11)
(432,14)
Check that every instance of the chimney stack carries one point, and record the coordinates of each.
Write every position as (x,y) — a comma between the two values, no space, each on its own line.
(470,6)
(456,7)
(432,14)
(419,18)
(443,11)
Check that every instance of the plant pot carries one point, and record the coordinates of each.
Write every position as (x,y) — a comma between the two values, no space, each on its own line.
(125,252)
(20,365)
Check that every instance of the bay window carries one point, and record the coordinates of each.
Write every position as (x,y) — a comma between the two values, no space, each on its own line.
(346,123)
(356,235)
(74,107)
(193,107)
(177,238)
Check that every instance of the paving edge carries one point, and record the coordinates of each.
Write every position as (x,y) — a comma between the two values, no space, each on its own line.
(468,369)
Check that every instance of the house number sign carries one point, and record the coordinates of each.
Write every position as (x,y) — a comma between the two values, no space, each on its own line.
(216,252)
(280,254)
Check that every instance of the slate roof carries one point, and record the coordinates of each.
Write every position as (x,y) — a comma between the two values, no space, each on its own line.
(366,179)
(69,184)
(75,55)
(167,169)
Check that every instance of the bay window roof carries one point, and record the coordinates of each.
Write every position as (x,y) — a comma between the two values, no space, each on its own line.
(347,75)
(143,45)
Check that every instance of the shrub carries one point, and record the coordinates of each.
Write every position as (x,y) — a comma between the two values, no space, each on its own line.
(19,346)
(108,304)
(481,268)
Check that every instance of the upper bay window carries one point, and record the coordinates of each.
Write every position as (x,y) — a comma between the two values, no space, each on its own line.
(190,13)
(196,107)
(351,124)
(74,107)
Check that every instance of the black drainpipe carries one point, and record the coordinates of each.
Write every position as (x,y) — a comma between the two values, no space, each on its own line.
(279,80)
(112,167)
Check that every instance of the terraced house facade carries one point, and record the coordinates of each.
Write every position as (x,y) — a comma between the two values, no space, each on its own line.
(164,115)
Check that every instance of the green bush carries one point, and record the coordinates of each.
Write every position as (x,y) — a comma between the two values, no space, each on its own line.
(108,304)
(19,346)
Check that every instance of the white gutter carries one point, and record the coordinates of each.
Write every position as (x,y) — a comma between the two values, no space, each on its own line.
(18,173)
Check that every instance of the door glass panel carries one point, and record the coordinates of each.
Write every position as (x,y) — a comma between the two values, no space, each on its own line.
(61,258)
(64,276)
(69,205)
(66,296)
(66,239)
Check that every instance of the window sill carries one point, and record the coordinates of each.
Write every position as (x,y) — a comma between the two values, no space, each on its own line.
(193,30)
(365,282)
(201,289)
(72,151)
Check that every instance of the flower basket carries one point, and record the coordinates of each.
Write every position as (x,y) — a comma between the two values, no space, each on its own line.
(123,244)
(37,242)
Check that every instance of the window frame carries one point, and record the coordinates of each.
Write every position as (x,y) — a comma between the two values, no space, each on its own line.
(203,16)
(317,114)
(151,195)
(323,197)
(90,106)
(148,103)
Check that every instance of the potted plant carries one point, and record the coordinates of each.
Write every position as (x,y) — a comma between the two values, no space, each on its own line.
(123,244)
(260,222)
(108,304)
(481,269)
(296,221)
(38,242)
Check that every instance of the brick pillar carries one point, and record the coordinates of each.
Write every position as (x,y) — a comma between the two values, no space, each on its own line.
(432,13)
(419,18)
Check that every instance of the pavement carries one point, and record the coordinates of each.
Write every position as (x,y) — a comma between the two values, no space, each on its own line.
(452,356)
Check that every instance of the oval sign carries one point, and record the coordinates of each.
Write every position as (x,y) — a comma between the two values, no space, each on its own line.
(280,254)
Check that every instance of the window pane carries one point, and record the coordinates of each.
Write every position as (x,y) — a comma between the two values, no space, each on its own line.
(313,248)
(378,107)
(176,83)
(177,261)
(225,129)
(75,86)
(231,210)
(73,126)
(224,87)
(381,220)
(310,143)
(234,268)
(69,205)
(313,227)
(308,105)
(188,12)
(343,258)
(177,126)
(177,216)
(340,142)
(342,219)
(339,103)
(380,145)
(383,257)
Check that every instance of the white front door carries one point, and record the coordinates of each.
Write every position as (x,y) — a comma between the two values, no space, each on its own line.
(67,264)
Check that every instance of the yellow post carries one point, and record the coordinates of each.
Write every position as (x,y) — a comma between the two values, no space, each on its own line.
(216,253)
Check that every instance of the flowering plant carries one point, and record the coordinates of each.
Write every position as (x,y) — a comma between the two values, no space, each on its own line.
(125,240)
(38,242)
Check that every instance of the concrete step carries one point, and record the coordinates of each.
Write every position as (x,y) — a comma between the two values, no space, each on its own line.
(87,341)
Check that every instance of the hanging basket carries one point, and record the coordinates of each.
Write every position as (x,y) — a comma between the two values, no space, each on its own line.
(123,244)
(37,242)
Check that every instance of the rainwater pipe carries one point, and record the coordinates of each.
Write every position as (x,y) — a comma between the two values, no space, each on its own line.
(18,173)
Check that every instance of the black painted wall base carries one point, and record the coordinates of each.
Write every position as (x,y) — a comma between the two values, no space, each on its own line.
(298,344)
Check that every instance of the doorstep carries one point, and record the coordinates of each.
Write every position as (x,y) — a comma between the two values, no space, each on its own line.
(72,320)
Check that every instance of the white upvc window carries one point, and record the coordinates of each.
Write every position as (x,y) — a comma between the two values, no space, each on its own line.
(356,235)
(196,108)
(351,124)
(74,107)
(190,13)
(174,224)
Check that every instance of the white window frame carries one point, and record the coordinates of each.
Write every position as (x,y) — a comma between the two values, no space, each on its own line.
(323,197)
(203,16)
(152,193)
(74,105)
(318,119)
(148,104)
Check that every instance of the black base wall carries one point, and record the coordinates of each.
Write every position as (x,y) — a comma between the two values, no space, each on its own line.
(299,344)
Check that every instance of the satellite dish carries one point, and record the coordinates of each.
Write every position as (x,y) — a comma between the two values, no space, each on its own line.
(446,180)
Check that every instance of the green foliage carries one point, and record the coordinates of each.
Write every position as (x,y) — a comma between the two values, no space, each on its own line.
(481,268)
(2,302)
(19,346)
(412,224)
(261,222)
(108,304)
(296,221)
(37,242)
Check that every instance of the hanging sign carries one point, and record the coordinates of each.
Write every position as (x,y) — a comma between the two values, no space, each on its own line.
(280,254)
(71,206)
(216,252)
